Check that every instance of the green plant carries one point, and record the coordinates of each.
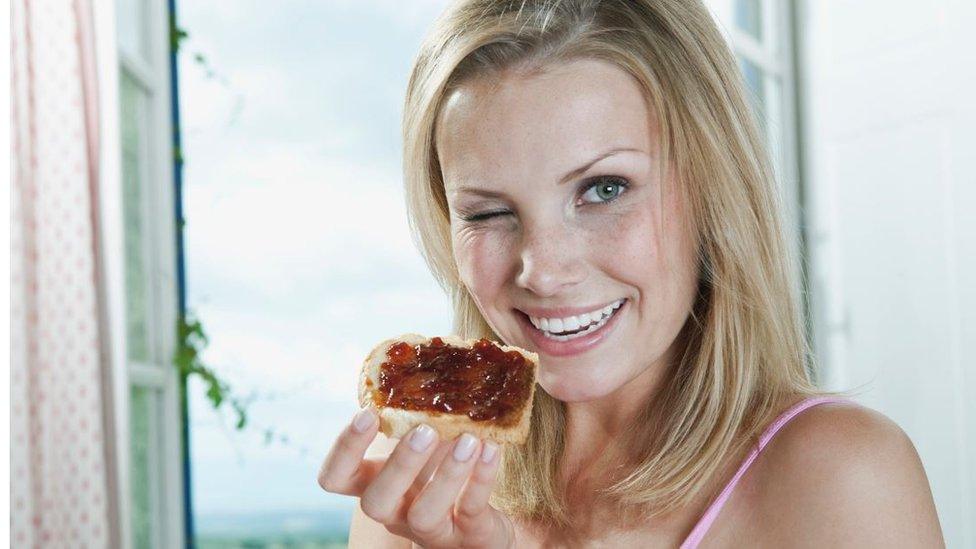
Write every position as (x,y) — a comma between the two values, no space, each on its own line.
(192,341)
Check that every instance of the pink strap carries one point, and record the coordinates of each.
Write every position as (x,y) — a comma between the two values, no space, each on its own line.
(705,522)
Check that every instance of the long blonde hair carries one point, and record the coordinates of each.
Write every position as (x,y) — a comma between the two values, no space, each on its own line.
(743,347)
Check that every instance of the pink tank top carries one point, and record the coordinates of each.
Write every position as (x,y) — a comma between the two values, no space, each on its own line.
(698,532)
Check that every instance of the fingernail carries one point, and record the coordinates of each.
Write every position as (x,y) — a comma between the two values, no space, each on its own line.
(464,447)
(488,452)
(363,420)
(421,438)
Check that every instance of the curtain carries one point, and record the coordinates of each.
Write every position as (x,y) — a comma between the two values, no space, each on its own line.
(61,480)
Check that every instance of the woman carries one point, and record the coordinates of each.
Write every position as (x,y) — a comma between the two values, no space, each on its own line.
(586,180)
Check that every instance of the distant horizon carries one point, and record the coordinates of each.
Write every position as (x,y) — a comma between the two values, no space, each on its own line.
(327,506)
(326,523)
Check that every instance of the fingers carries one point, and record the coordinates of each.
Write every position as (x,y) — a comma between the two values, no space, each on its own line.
(474,499)
(382,499)
(341,471)
(430,514)
(427,471)
(416,489)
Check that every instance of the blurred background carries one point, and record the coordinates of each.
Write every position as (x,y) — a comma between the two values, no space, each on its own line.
(208,235)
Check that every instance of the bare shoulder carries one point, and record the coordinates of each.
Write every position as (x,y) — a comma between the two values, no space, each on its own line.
(844,475)
(364,532)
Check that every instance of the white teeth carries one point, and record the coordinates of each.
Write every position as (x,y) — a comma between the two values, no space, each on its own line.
(592,328)
(591,321)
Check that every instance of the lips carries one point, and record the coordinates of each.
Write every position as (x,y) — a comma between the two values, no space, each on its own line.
(571,344)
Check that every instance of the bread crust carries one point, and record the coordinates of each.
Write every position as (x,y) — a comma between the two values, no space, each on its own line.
(396,422)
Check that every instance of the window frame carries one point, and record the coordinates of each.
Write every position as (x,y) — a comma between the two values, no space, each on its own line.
(776,61)
(159,374)
(776,57)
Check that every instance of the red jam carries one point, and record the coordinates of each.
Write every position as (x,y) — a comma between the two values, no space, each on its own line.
(484,382)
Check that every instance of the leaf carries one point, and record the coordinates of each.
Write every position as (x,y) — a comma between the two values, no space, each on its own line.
(192,340)
(176,36)
(215,395)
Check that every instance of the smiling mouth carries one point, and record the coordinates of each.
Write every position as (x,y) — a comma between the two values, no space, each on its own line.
(560,333)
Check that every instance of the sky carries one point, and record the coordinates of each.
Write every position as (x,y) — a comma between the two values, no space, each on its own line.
(298,255)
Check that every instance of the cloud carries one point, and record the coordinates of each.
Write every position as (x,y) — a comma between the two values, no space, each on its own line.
(285,217)
(298,253)
(337,64)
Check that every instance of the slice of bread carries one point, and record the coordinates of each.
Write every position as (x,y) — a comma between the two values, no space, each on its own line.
(397,422)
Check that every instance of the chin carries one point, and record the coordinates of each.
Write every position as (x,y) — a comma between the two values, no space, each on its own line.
(568,388)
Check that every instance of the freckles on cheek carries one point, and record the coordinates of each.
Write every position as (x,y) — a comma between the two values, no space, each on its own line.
(630,239)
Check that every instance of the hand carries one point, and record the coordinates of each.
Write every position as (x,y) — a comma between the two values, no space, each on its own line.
(434,496)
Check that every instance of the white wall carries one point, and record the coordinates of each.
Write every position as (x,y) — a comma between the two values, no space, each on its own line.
(889,143)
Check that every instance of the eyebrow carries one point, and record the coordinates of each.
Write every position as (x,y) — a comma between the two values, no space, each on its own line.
(570,175)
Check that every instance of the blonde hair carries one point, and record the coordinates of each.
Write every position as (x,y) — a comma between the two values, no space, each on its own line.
(743,345)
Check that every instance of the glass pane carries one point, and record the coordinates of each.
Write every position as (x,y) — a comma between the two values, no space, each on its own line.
(753,76)
(748,17)
(143,449)
(132,101)
(133,28)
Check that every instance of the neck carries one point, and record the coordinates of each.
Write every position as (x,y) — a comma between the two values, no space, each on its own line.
(612,432)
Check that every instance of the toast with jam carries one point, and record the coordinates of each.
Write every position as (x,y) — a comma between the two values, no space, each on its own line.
(454,385)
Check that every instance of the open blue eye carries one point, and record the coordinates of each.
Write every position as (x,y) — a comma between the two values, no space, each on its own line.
(604,189)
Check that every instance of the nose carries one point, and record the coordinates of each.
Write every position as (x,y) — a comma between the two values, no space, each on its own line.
(551,261)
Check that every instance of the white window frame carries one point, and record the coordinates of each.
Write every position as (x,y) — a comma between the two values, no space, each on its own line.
(153,76)
(776,58)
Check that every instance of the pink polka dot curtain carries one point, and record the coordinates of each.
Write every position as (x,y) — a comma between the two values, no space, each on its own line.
(59,391)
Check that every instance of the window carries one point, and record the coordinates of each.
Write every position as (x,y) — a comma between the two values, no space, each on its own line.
(762,38)
(762,55)
(155,495)
(759,32)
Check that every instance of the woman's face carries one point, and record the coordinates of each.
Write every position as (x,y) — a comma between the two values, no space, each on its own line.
(594,268)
